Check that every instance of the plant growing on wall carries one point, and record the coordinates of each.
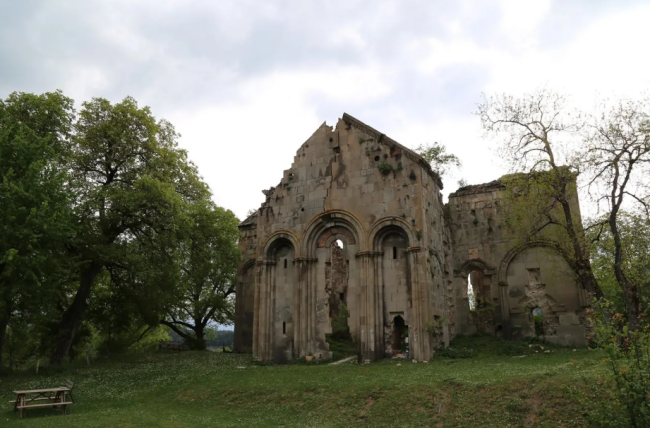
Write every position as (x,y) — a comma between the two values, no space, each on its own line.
(385,168)
(435,326)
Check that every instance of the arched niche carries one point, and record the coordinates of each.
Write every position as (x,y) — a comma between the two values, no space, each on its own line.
(391,242)
(276,238)
(539,277)
(477,276)
(334,275)
(335,251)
(386,224)
(472,312)
(281,278)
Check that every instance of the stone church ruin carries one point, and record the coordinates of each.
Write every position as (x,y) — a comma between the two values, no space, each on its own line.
(356,232)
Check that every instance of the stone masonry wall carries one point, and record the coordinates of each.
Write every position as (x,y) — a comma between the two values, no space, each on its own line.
(404,260)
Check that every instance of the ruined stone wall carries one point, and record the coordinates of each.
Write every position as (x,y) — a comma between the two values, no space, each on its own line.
(511,279)
(355,185)
(403,263)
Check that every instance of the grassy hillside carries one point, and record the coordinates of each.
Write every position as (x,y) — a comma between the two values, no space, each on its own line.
(494,384)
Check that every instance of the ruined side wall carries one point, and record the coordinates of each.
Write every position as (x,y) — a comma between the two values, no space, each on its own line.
(514,278)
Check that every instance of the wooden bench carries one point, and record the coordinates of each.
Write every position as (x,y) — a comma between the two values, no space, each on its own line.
(32,398)
(172,346)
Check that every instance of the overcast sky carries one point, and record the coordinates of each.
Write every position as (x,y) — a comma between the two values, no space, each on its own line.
(247,82)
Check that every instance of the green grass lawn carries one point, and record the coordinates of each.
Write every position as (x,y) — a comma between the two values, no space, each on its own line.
(495,387)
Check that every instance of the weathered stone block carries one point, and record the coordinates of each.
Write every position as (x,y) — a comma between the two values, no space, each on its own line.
(569,318)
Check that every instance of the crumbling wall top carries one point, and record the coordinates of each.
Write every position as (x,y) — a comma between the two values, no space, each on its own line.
(382,138)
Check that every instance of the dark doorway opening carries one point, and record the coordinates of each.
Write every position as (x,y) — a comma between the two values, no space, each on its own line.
(538,321)
(399,328)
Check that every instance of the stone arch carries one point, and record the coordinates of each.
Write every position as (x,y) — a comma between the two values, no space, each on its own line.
(537,275)
(243,268)
(340,223)
(472,265)
(502,271)
(391,239)
(276,301)
(278,238)
(387,225)
(468,318)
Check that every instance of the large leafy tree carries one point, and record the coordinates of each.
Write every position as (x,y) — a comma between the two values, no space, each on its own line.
(208,258)
(131,182)
(35,207)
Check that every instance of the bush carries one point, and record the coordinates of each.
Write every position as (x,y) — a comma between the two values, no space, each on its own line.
(385,168)
(629,365)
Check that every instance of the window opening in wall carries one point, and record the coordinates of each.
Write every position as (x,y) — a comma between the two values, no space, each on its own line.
(538,320)
(285,263)
(284,328)
(342,297)
(339,243)
(394,252)
(471,297)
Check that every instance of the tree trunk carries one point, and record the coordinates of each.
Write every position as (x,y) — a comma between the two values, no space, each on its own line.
(73,316)
(4,321)
(630,290)
(582,263)
(200,336)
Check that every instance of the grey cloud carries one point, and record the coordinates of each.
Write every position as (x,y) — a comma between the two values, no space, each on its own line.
(190,53)
(189,46)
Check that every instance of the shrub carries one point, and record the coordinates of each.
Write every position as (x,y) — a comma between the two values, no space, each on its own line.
(385,168)
(628,362)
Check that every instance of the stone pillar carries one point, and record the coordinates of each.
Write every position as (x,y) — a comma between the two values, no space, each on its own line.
(257,310)
(239,314)
(505,309)
(304,308)
(420,346)
(378,285)
(371,318)
(264,308)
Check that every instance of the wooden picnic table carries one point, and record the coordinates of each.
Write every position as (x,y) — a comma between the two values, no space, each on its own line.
(47,397)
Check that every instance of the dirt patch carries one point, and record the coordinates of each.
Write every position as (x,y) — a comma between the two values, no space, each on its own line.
(534,403)
(190,396)
(369,402)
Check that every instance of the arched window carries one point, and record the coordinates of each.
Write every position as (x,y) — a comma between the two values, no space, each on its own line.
(538,320)
(471,297)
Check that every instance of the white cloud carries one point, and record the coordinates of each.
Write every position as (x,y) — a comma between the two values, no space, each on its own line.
(246,82)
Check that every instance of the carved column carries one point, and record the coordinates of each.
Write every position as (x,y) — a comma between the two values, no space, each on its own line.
(420,346)
(505,309)
(257,309)
(378,286)
(304,307)
(239,314)
(371,316)
(264,308)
